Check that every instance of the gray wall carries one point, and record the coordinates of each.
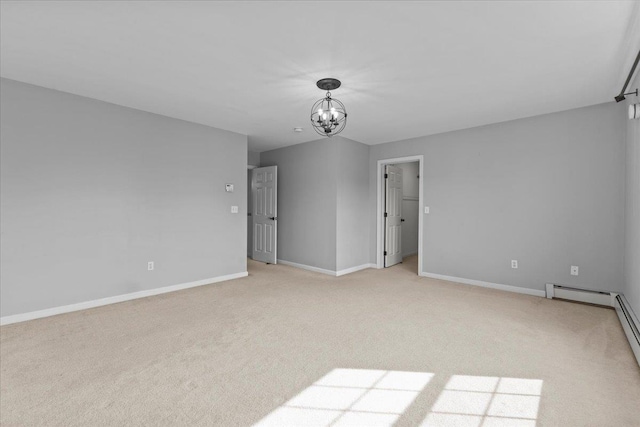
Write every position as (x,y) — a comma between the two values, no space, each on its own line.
(547,191)
(352,233)
(410,181)
(253,158)
(91,191)
(323,189)
(306,202)
(632,209)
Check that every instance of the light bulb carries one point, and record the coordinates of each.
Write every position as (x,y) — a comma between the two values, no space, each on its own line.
(324,116)
(320,112)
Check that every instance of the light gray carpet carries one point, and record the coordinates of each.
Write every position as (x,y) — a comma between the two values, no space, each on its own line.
(232,353)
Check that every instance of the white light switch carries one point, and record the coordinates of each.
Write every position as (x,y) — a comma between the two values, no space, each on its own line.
(574,270)
(426,209)
(228,188)
(234,209)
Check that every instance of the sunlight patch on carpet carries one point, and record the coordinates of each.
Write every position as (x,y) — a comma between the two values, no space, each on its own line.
(473,401)
(351,397)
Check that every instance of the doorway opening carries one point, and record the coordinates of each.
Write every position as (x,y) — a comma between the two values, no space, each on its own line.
(399,211)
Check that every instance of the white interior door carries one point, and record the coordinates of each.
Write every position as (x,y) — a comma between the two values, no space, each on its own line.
(264,188)
(393,216)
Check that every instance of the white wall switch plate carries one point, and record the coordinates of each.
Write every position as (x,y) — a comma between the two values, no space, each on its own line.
(228,188)
(426,209)
(234,209)
(150,265)
(514,263)
(574,270)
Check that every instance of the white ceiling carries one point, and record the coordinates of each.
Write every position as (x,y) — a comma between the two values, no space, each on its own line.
(408,68)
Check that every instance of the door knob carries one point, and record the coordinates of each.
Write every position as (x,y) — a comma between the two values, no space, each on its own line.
(273,218)
(402,219)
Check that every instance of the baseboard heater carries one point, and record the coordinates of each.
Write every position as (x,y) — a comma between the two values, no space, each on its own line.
(629,323)
(581,295)
(628,320)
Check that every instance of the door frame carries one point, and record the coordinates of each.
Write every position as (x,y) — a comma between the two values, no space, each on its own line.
(250,210)
(380,205)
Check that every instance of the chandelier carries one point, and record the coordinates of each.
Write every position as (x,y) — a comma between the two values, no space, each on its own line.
(328,115)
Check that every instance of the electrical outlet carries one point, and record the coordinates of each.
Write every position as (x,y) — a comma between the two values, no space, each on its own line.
(574,270)
(150,265)
(234,209)
(514,263)
(426,209)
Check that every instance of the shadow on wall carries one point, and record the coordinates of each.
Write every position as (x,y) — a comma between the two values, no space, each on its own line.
(356,397)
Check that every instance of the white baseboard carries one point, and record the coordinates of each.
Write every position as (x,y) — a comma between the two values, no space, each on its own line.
(508,288)
(354,269)
(307,267)
(7,320)
(325,271)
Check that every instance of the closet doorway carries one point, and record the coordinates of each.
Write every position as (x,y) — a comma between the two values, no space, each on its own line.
(400,210)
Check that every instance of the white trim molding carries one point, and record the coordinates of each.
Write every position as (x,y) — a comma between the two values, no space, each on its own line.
(325,271)
(307,267)
(483,284)
(354,269)
(7,320)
